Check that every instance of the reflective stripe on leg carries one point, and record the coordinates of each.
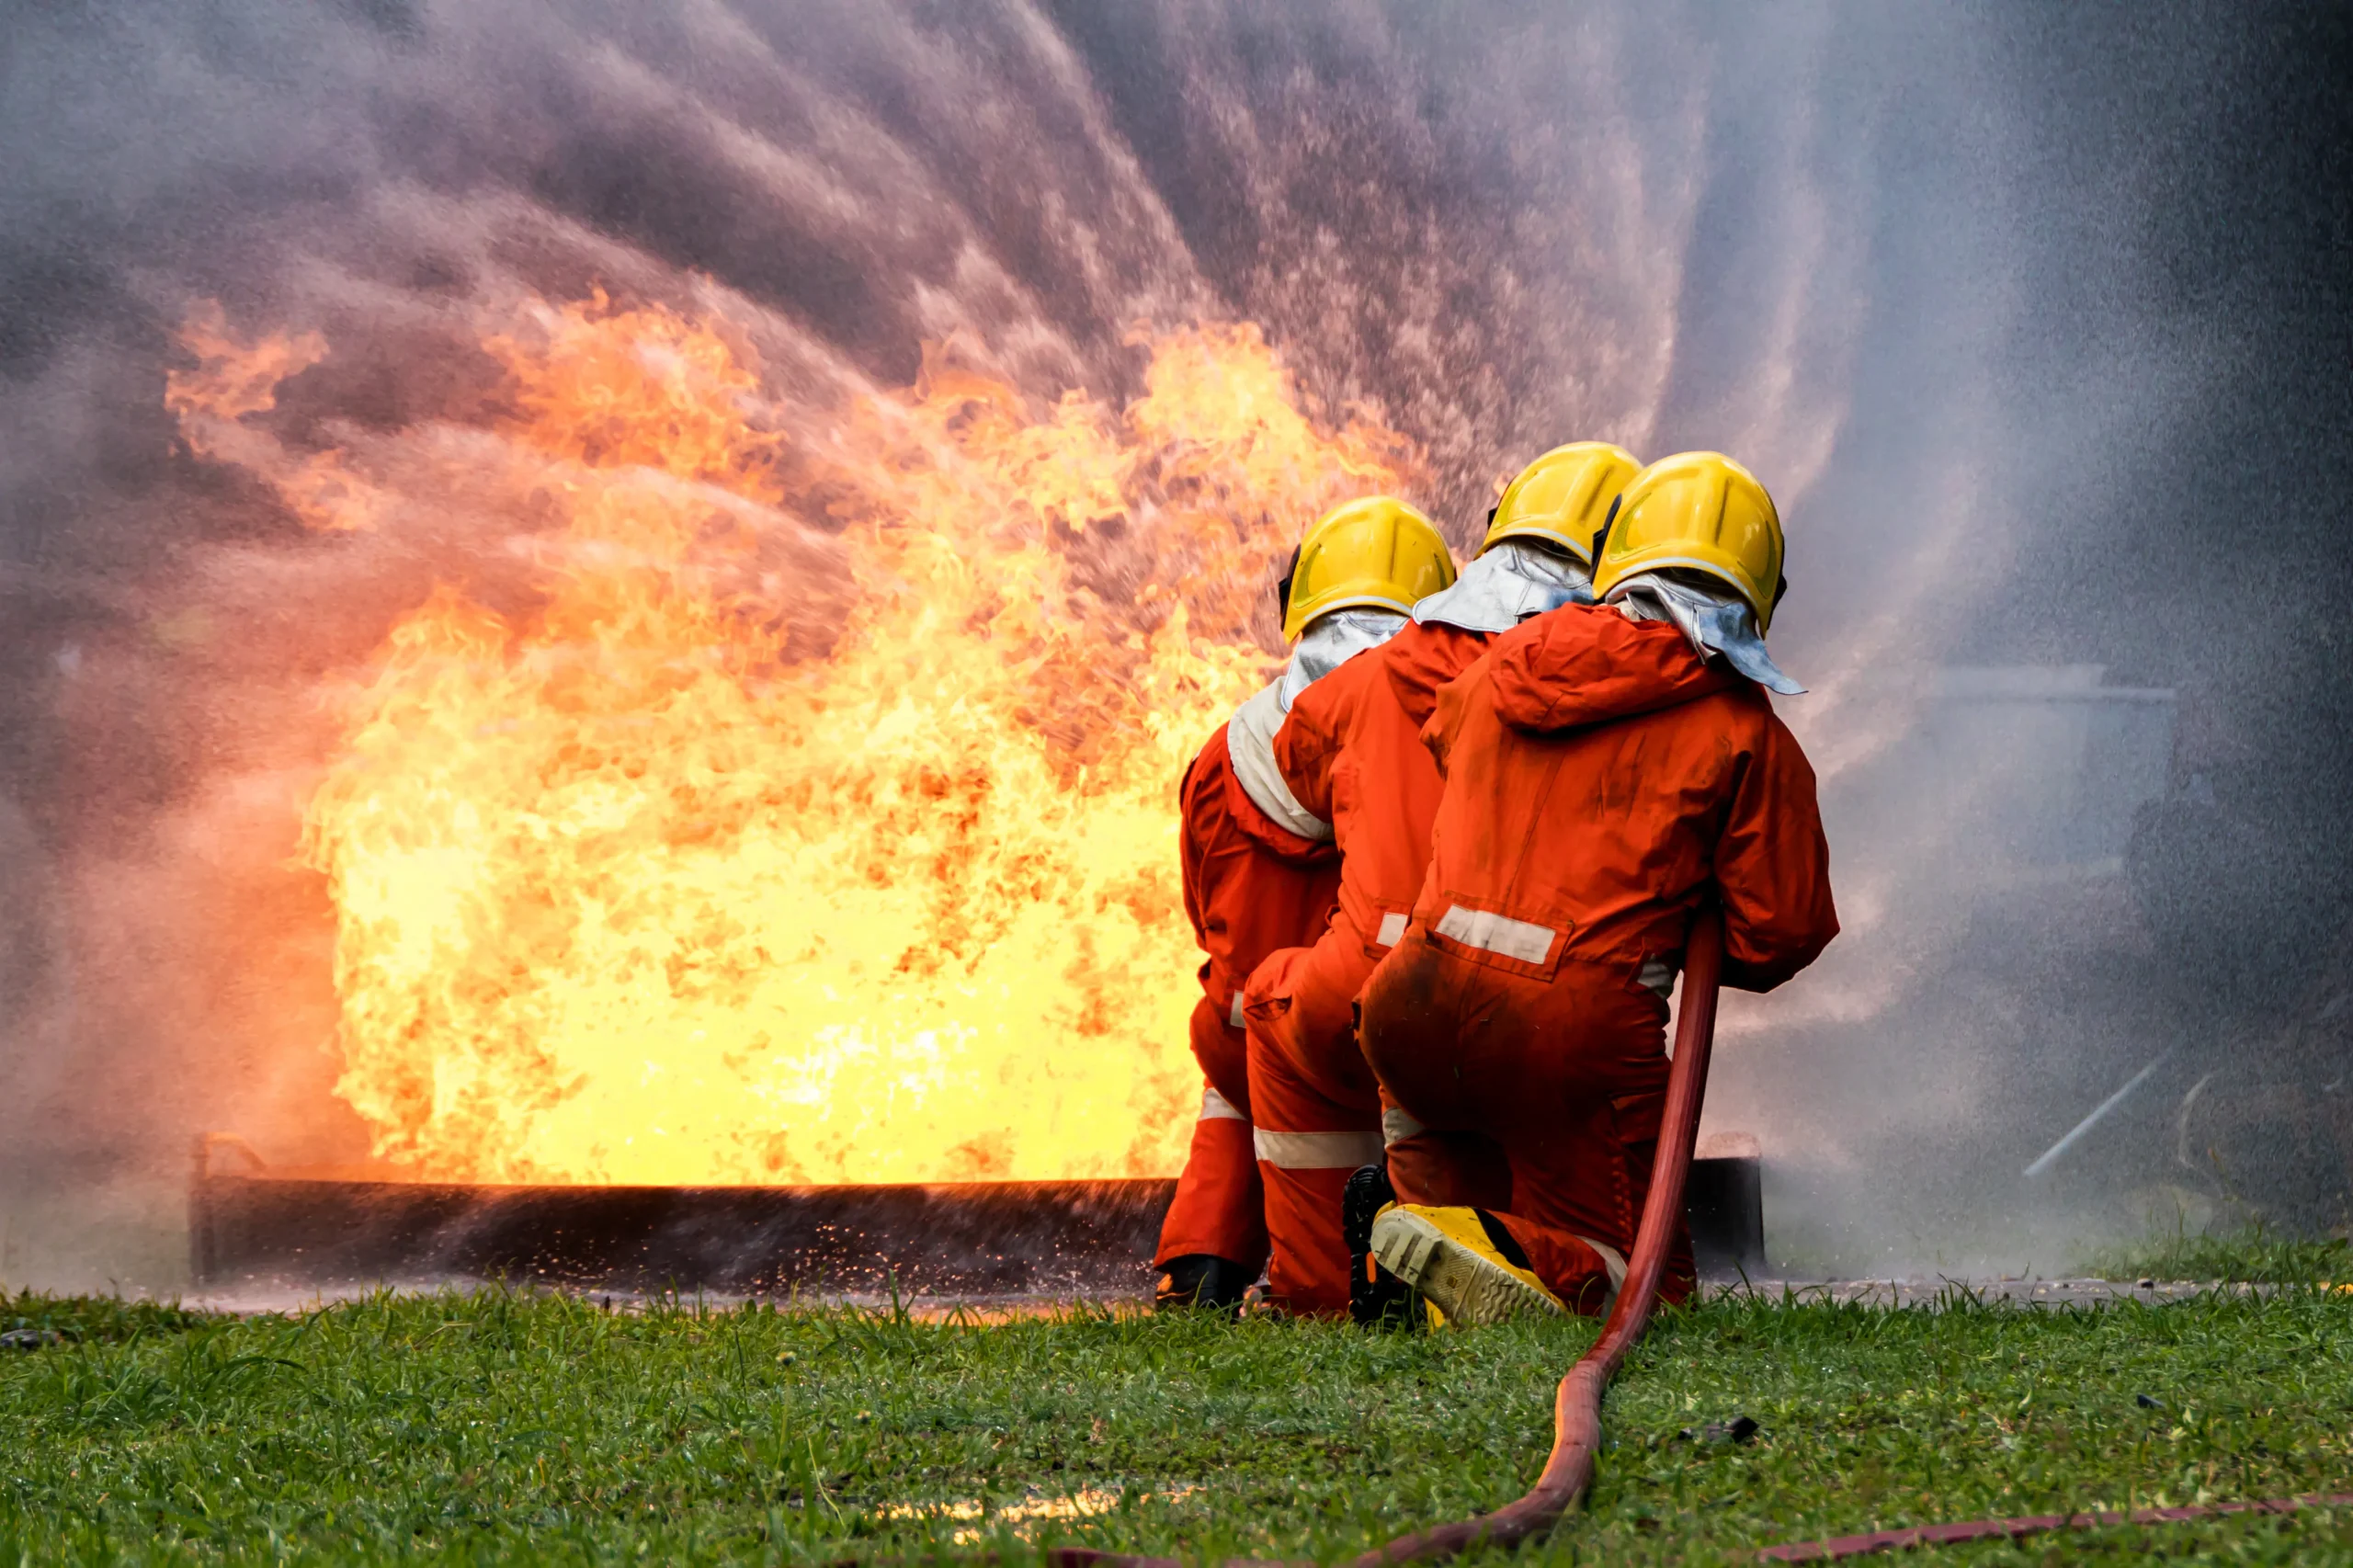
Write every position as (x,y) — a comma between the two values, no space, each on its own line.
(1612,1260)
(1316,1151)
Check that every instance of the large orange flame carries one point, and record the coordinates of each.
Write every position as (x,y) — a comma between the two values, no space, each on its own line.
(682,876)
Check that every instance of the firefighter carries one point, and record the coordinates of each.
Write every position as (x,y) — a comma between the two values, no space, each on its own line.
(1381,557)
(1537,556)
(1261,872)
(1350,748)
(1607,768)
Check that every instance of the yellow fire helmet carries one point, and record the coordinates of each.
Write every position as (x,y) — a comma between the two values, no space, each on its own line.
(1699,511)
(1377,551)
(1562,498)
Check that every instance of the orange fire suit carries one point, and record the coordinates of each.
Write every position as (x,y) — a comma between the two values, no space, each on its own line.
(1600,781)
(1351,752)
(1251,886)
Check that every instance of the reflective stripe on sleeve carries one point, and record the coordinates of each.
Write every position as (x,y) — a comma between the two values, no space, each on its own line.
(1316,1151)
(1392,930)
(1234,1017)
(1657,975)
(1497,933)
(1396,1126)
(1217,1108)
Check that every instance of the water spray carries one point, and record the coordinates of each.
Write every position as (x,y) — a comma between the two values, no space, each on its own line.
(2051,1155)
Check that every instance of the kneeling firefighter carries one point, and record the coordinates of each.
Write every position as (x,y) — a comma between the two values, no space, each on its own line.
(1606,768)
(1537,555)
(1260,873)
(1351,747)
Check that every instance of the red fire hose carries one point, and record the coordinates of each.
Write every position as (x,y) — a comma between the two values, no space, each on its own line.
(1576,1409)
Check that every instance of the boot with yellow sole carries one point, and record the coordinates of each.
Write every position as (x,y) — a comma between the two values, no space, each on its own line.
(1463,1262)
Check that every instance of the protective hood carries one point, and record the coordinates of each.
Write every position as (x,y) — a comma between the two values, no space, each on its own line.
(1250,749)
(1583,665)
(1712,615)
(1507,585)
(1332,640)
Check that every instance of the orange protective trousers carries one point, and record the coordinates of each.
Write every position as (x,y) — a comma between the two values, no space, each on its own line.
(1317,1110)
(1568,1076)
(1250,887)
(1219,1209)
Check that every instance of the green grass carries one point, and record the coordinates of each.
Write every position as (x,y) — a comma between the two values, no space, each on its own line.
(505,1428)
(2254,1254)
(92,1320)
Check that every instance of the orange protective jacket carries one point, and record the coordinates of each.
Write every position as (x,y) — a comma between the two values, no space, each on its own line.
(1350,749)
(1251,884)
(1599,777)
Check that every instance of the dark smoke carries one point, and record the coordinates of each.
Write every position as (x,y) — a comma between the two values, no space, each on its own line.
(2034,319)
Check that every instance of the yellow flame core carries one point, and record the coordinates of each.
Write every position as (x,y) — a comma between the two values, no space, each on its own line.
(628,891)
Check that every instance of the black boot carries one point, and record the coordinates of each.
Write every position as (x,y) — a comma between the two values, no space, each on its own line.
(1200,1280)
(1377,1298)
